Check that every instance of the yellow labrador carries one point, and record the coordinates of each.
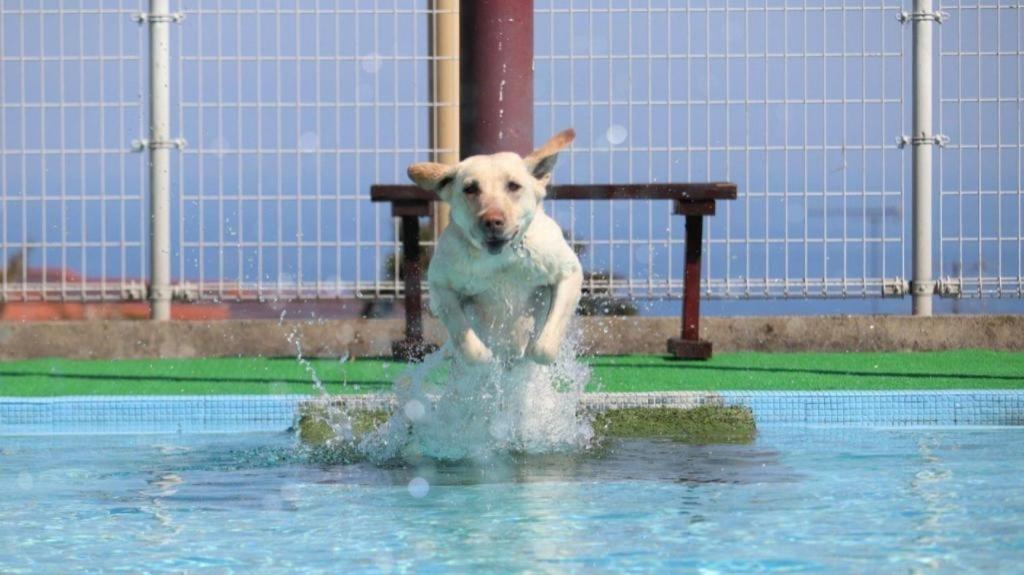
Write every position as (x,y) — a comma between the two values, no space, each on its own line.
(503,279)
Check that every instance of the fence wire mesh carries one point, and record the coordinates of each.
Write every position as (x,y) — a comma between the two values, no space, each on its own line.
(800,103)
(293,109)
(72,196)
(980,75)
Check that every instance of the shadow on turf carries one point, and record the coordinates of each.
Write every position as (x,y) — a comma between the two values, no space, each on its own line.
(831,372)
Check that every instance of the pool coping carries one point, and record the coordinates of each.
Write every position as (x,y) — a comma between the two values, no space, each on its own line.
(262,413)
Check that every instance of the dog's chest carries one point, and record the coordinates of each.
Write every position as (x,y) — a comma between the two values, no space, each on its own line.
(506,274)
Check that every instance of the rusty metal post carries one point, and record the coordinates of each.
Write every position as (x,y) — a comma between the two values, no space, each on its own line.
(691,279)
(496,70)
(690,346)
(412,347)
(414,275)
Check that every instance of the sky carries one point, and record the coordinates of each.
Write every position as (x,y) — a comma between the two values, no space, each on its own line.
(292,110)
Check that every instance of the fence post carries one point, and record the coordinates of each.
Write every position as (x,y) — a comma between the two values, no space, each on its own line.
(922,140)
(159,144)
(445,84)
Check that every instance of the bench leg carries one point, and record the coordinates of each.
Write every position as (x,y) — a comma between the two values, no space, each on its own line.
(690,346)
(412,347)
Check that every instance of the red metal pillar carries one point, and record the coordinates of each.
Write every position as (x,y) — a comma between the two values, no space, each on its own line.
(691,279)
(690,346)
(413,279)
(496,72)
(412,347)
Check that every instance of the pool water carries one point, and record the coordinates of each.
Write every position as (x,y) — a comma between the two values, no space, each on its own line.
(796,500)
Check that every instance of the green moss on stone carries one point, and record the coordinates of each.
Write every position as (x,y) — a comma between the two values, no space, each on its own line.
(703,424)
(316,422)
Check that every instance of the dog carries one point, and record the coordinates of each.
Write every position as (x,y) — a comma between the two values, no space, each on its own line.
(503,279)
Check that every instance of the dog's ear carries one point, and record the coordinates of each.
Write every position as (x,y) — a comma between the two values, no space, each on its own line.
(541,162)
(432,176)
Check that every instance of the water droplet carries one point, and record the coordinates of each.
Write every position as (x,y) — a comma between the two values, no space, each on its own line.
(616,134)
(309,141)
(371,63)
(414,410)
(419,487)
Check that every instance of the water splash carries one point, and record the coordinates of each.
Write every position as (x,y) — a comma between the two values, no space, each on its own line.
(451,410)
(339,420)
(295,339)
(448,409)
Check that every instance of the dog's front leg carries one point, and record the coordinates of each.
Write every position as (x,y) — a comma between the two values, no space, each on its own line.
(449,308)
(563,305)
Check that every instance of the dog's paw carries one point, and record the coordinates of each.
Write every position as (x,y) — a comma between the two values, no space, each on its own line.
(474,350)
(544,350)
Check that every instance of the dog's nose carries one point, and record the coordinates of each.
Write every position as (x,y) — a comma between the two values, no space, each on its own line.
(494,222)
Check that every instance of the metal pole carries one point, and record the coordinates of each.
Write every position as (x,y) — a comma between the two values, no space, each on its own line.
(496,77)
(413,285)
(922,286)
(445,129)
(160,159)
(691,277)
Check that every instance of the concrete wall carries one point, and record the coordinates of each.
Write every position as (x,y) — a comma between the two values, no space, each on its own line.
(362,338)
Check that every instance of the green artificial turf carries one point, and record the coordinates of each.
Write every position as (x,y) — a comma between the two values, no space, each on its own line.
(961,369)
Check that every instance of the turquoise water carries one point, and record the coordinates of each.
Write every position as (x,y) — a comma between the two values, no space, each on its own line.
(797,500)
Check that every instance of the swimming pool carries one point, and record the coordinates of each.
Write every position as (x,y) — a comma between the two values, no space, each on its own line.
(799,499)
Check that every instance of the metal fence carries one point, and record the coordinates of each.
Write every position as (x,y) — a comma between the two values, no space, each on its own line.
(272,192)
(980,79)
(800,104)
(291,110)
(72,197)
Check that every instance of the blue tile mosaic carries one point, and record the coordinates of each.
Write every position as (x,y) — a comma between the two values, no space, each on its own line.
(883,408)
(147,414)
(248,413)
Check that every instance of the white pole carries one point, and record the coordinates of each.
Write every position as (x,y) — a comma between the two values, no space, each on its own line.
(923,140)
(160,159)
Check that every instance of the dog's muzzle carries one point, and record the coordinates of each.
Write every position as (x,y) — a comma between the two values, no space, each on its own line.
(492,223)
(496,235)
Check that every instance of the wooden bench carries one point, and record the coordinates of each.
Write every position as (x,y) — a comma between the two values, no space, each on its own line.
(694,201)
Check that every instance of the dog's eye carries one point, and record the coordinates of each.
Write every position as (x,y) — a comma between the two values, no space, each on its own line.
(514,186)
(472,189)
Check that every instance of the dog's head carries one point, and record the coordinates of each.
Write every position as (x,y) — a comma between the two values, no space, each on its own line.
(493,198)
